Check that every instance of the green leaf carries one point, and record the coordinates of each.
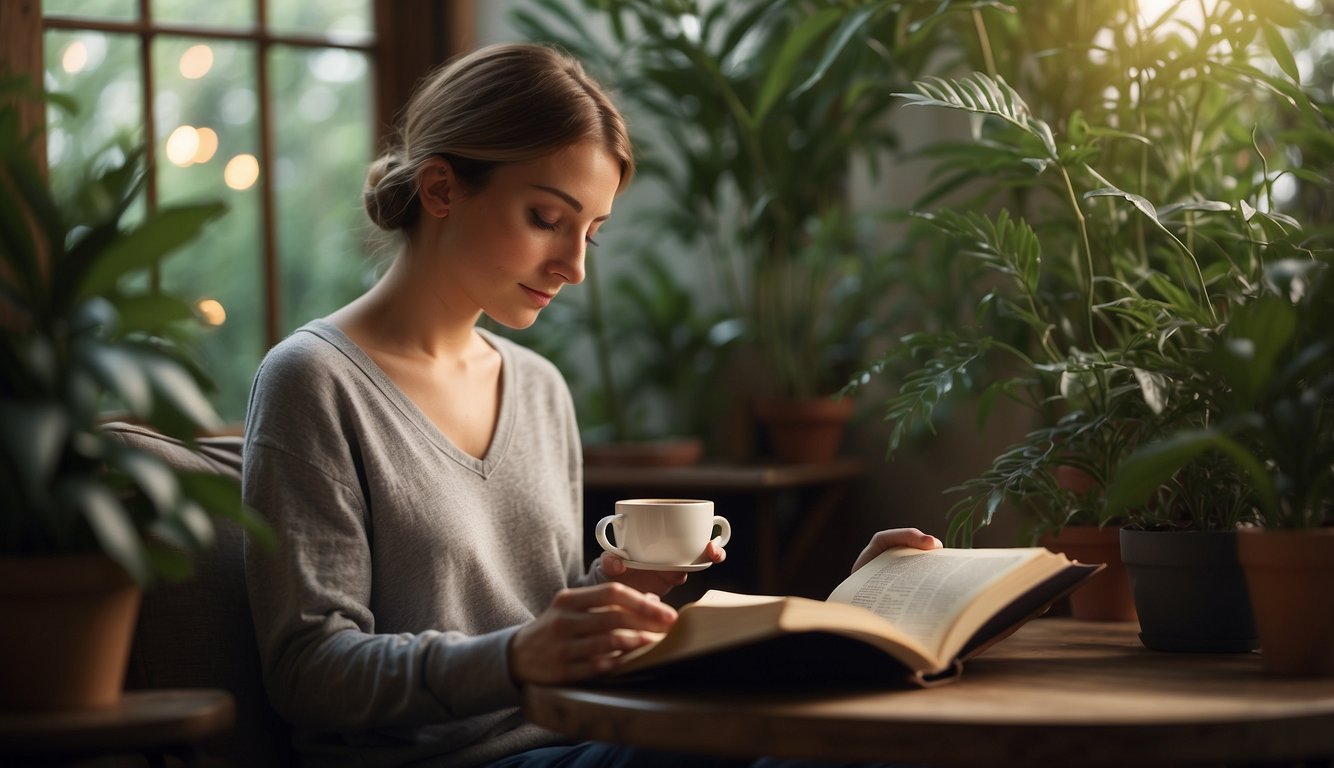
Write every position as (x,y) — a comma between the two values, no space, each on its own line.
(195,521)
(1140,203)
(151,313)
(1258,332)
(849,27)
(169,563)
(34,438)
(19,250)
(162,233)
(155,479)
(1154,388)
(30,226)
(220,497)
(983,95)
(1282,54)
(119,372)
(1211,206)
(1148,468)
(793,51)
(111,524)
(178,390)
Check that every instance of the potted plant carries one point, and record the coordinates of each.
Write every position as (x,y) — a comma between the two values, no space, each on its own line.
(1271,392)
(88,521)
(764,112)
(1119,236)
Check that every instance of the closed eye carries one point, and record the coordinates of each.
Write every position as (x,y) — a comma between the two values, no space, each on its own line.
(542,223)
(550,226)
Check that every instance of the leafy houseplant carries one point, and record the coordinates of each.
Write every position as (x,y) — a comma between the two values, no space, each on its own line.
(1134,182)
(766,108)
(1132,163)
(81,336)
(1269,382)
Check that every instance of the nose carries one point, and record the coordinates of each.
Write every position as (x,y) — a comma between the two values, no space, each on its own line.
(569,265)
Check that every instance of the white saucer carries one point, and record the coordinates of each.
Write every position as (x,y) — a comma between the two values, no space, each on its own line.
(690,567)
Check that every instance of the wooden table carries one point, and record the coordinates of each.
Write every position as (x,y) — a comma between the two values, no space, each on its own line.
(1058,692)
(827,484)
(148,722)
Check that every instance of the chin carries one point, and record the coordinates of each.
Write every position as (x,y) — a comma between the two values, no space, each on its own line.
(515,323)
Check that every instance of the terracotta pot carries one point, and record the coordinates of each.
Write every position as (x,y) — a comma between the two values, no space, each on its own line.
(1190,591)
(68,625)
(647,453)
(805,431)
(1291,579)
(1106,596)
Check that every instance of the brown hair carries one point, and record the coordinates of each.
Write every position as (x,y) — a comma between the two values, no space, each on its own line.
(507,103)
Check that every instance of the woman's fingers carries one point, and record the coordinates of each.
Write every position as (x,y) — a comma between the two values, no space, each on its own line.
(584,632)
(613,565)
(645,610)
(895,537)
(714,553)
(604,620)
(610,644)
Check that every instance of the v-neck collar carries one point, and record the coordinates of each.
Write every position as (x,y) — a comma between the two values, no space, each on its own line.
(500,438)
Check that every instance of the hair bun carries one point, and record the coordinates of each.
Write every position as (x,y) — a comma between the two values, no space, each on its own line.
(389,196)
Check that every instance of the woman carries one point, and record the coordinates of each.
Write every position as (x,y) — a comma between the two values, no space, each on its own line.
(423,475)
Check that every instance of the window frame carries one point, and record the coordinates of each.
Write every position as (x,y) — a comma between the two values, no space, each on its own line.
(408,39)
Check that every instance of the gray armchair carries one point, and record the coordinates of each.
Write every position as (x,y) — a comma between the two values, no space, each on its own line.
(199,633)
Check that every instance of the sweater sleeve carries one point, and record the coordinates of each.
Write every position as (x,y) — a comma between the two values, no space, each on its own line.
(325,667)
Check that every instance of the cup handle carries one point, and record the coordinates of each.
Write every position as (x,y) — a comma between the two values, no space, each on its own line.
(725,531)
(600,533)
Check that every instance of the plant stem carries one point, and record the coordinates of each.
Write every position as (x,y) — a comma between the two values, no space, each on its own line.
(1143,125)
(1086,274)
(984,42)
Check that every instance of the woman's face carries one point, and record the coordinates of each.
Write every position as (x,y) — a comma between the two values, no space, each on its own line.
(510,247)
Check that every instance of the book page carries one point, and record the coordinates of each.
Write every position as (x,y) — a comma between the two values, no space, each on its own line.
(718,597)
(922,592)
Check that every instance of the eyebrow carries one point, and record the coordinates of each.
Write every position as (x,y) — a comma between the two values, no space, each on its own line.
(566,196)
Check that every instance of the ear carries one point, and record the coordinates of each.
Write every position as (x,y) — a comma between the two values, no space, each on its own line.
(435,178)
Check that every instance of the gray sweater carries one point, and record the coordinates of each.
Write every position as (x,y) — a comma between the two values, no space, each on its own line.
(404,565)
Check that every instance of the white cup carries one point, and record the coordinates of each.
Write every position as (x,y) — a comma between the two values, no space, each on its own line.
(662,531)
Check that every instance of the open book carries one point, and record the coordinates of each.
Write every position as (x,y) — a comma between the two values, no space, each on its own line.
(909,613)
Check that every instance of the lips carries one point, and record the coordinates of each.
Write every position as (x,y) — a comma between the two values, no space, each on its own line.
(539,298)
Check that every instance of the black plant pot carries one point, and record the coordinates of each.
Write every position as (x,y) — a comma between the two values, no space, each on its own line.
(1190,591)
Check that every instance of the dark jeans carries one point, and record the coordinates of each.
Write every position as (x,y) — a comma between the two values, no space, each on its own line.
(596,755)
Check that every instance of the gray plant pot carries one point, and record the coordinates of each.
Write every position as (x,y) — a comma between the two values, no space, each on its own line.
(1190,591)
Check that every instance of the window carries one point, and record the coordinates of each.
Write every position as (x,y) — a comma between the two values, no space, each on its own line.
(274,107)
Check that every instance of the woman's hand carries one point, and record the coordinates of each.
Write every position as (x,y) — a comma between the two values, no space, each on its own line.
(895,537)
(584,632)
(654,582)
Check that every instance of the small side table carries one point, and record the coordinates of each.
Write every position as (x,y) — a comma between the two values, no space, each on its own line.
(153,723)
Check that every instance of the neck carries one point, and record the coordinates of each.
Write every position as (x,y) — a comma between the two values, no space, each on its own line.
(405,313)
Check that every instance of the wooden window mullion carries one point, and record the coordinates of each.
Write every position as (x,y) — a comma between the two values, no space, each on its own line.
(21,54)
(268,214)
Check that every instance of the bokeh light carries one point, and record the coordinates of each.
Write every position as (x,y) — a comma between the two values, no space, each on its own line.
(75,57)
(196,62)
(212,311)
(208,144)
(183,145)
(241,172)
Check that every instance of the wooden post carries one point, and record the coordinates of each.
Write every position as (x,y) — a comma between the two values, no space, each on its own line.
(414,37)
(21,53)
